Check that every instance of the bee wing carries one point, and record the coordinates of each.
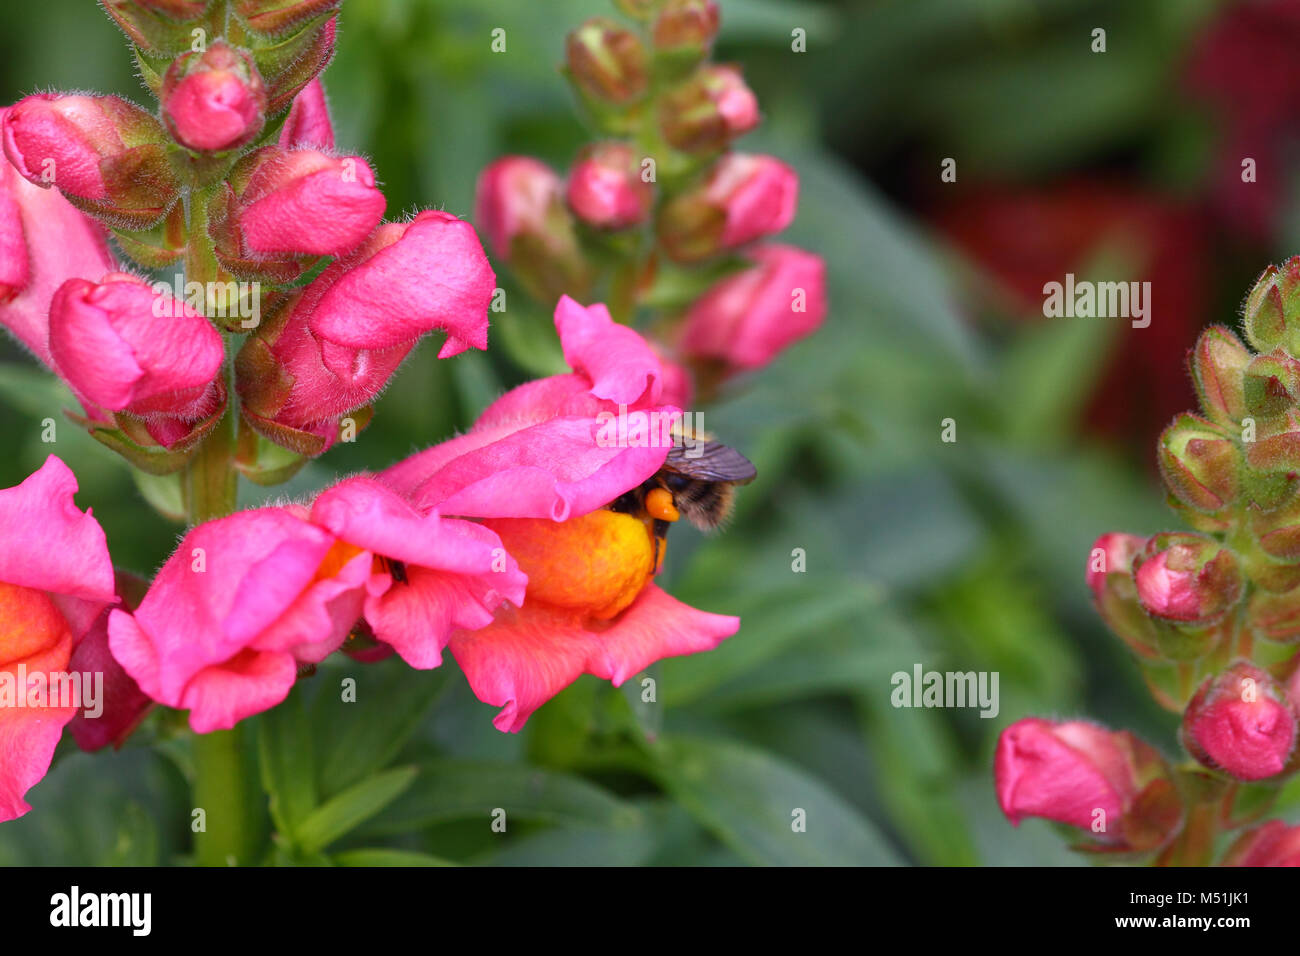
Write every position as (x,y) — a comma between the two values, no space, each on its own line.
(711,461)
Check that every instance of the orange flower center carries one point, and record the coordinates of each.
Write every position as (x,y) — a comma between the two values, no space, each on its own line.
(596,564)
(339,554)
(29,625)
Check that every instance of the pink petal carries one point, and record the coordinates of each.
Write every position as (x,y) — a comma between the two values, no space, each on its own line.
(28,736)
(617,361)
(51,545)
(527,657)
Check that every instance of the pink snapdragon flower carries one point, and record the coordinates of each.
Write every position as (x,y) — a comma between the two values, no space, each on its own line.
(333,347)
(454,573)
(245,600)
(242,602)
(535,470)
(747,319)
(55,578)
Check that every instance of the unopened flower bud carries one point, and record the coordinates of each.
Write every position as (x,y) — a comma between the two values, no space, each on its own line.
(162,27)
(214,100)
(639,9)
(308,123)
(1241,723)
(1273,844)
(606,189)
(1187,578)
(684,31)
(1218,366)
(176,9)
(744,198)
(278,17)
(1110,784)
(607,62)
(519,206)
(104,154)
(284,205)
(748,318)
(1110,578)
(290,65)
(44,240)
(1199,463)
(708,111)
(1275,616)
(1270,386)
(1272,312)
(127,348)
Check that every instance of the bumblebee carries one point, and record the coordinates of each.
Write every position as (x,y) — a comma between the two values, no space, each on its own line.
(696,483)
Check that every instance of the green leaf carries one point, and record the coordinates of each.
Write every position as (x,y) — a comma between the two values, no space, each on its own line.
(355,739)
(749,800)
(352,807)
(284,743)
(163,492)
(382,856)
(464,790)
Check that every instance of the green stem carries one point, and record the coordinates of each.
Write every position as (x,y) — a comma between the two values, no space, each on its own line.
(225,788)
(226,782)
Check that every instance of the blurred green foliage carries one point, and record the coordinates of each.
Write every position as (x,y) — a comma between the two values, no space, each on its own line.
(961,556)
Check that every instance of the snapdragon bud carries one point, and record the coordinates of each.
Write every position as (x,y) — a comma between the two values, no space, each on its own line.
(284,207)
(639,9)
(107,156)
(1270,386)
(708,111)
(1110,578)
(519,205)
(1111,785)
(744,198)
(684,31)
(1187,578)
(1273,844)
(1218,366)
(1241,723)
(215,100)
(278,17)
(1200,463)
(162,27)
(606,189)
(1272,313)
(607,63)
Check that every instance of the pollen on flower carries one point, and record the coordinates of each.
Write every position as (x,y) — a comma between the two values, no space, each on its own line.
(339,554)
(596,564)
(29,624)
